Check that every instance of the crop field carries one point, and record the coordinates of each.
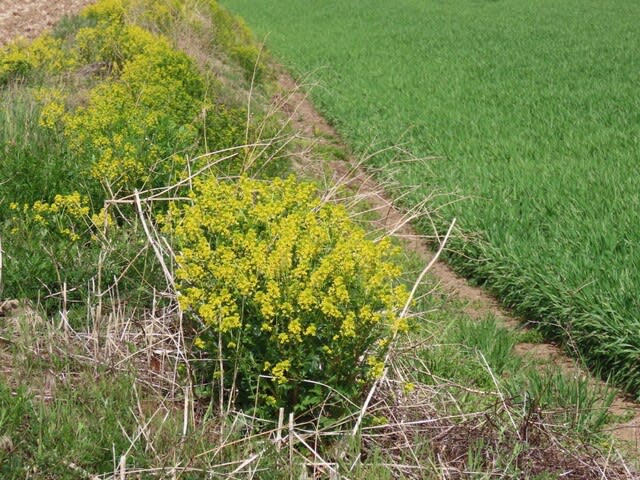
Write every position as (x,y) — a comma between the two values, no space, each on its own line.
(532,112)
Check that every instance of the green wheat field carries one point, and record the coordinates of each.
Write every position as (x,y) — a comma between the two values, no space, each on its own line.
(528,111)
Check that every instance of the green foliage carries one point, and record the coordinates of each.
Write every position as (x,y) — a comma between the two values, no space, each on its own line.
(158,16)
(15,409)
(468,352)
(43,55)
(137,124)
(66,416)
(36,164)
(237,40)
(283,289)
(533,113)
(479,354)
(15,63)
(44,439)
(572,401)
(225,126)
(112,37)
(63,230)
(111,43)
(287,290)
(107,11)
(68,26)
(493,342)
(59,248)
(133,125)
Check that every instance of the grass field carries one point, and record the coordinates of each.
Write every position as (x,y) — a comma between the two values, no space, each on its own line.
(533,109)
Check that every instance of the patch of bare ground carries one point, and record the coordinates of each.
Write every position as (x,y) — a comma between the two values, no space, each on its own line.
(29,18)
(305,119)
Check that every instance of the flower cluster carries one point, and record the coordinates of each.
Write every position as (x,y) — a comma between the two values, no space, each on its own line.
(45,54)
(53,107)
(56,242)
(61,242)
(67,216)
(132,124)
(111,41)
(115,107)
(289,287)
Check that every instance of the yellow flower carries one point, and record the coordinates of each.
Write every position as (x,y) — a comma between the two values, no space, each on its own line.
(376,367)
(280,370)
(306,299)
(272,263)
(51,115)
(295,327)
(283,338)
(348,327)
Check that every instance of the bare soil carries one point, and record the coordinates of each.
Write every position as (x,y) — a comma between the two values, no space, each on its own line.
(28,18)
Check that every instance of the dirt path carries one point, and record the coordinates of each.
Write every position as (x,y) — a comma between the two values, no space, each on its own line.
(479,303)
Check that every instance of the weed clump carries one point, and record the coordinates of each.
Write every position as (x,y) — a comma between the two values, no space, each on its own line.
(44,54)
(286,289)
(108,108)
(131,124)
(237,40)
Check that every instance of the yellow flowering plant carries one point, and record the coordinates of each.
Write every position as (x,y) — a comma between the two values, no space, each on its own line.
(102,107)
(134,124)
(64,236)
(21,58)
(286,289)
(69,244)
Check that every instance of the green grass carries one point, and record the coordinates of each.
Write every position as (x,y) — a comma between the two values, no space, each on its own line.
(36,163)
(533,109)
(65,416)
(479,354)
(70,405)
(44,156)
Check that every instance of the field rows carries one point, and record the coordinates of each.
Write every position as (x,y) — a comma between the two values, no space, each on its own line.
(533,110)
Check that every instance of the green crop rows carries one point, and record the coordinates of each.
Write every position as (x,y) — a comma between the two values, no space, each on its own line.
(533,109)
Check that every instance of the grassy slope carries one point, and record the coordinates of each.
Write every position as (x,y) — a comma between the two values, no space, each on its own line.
(534,107)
